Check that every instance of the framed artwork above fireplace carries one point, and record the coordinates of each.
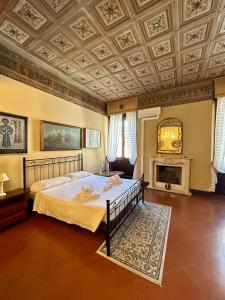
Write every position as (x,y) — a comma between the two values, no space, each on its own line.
(170,136)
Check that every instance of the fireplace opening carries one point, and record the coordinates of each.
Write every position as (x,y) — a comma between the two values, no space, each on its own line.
(169,174)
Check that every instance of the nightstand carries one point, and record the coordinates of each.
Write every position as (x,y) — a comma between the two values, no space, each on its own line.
(14,207)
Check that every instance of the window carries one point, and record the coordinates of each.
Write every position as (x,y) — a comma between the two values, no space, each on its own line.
(219,156)
(122,148)
(122,137)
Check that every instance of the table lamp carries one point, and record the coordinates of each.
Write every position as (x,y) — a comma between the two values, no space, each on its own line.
(3,177)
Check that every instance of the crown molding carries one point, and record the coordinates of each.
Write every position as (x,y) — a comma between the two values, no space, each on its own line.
(200,91)
(16,67)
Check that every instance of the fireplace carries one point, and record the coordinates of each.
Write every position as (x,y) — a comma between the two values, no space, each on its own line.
(169,174)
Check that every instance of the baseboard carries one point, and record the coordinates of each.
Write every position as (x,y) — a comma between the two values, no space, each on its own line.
(193,191)
(202,193)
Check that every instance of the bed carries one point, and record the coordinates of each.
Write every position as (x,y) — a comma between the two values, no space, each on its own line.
(111,209)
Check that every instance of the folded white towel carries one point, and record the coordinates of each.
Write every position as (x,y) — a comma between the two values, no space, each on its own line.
(115,180)
(87,189)
(86,194)
(107,187)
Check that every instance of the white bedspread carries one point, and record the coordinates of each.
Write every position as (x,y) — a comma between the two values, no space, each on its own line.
(59,202)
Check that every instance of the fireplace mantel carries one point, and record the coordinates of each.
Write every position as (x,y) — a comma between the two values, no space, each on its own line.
(183,162)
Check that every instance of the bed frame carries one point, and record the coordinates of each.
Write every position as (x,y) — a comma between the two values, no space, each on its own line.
(116,211)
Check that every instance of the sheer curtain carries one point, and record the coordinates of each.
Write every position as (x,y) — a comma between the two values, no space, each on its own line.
(115,129)
(131,137)
(219,155)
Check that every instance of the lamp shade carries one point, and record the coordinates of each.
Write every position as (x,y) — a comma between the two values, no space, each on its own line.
(3,177)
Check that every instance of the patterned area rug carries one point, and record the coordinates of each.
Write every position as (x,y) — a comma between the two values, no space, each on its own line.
(140,243)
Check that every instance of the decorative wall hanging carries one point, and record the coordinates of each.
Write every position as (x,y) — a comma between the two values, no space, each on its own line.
(169,138)
(122,106)
(92,138)
(56,136)
(13,133)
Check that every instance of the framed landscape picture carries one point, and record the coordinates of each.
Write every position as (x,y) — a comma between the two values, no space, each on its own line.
(55,136)
(92,138)
(13,133)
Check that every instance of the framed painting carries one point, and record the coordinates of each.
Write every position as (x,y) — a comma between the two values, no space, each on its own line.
(92,138)
(13,133)
(55,136)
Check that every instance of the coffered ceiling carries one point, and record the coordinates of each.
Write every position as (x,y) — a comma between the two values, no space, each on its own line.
(120,48)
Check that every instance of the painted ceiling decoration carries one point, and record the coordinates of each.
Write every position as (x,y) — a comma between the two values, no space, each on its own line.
(20,69)
(114,49)
(179,95)
(57,5)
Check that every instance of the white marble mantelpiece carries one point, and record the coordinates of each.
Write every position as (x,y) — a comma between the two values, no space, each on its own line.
(184,163)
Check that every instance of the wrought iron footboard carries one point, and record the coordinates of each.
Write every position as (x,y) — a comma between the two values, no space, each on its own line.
(119,209)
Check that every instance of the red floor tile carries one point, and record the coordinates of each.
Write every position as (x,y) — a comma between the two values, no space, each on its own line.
(44,258)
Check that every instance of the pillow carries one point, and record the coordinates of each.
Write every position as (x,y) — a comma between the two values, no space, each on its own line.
(49,183)
(79,175)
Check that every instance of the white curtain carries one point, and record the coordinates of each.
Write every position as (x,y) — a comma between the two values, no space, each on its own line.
(219,155)
(131,137)
(115,129)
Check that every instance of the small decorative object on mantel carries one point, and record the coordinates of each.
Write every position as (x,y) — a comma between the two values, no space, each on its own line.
(55,136)
(13,133)
(169,138)
(92,138)
(3,177)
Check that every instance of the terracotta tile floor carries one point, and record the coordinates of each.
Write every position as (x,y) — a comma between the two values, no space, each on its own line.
(46,259)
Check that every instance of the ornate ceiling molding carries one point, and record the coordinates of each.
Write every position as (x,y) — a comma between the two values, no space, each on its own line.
(14,66)
(180,95)
(115,49)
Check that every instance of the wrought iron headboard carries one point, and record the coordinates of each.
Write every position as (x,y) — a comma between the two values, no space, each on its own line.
(45,168)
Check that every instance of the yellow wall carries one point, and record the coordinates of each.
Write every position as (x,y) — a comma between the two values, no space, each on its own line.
(18,98)
(197,122)
(24,100)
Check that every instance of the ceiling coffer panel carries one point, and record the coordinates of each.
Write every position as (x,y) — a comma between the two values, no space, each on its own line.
(113,49)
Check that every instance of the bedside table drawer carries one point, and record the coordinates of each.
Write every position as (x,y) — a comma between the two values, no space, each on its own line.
(21,216)
(14,207)
(12,210)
